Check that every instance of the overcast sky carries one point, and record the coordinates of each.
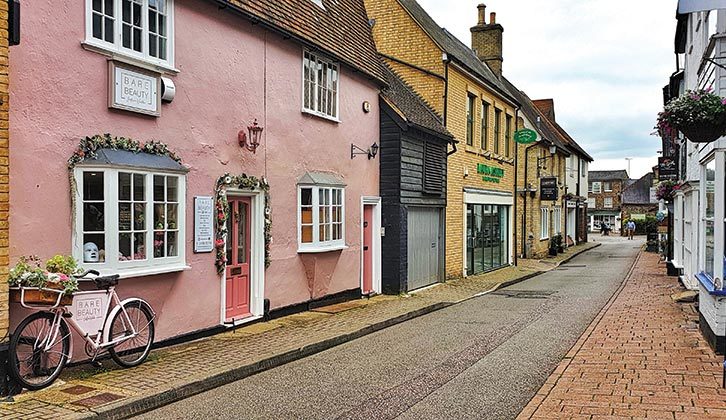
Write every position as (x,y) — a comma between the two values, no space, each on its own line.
(604,63)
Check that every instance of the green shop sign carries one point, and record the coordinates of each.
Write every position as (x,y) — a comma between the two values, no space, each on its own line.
(525,136)
(490,174)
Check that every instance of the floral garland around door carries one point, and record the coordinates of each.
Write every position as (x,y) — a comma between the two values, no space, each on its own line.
(244,182)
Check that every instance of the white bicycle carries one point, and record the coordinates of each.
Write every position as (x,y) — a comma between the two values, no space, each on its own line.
(42,343)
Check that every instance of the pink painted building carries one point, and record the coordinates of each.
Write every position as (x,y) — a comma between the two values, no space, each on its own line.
(306,70)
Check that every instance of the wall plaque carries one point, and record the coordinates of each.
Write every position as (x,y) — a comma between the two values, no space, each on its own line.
(203,224)
(548,189)
(133,89)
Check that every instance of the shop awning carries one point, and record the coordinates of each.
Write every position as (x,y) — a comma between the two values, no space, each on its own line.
(128,159)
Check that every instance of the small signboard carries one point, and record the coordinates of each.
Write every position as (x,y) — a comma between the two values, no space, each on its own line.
(548,189)
(571,204)
(653,198)
(525,136)
(203,224)
(89,310)
(667,169)
(133,89)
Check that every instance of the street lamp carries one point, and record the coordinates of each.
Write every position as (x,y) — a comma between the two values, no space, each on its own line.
(542,160)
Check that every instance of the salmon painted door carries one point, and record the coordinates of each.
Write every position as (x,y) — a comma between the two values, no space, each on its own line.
(367,249)
(237,301)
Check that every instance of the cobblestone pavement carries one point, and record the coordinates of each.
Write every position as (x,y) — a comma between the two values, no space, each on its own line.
(173,372)
(642,357)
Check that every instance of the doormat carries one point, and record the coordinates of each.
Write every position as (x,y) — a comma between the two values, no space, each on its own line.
(99,399)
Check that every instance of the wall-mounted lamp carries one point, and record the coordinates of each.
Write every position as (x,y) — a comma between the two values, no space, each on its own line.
(541,161)
(371,152)
(255,133)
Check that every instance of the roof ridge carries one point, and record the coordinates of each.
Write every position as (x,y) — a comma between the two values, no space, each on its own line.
(428,106)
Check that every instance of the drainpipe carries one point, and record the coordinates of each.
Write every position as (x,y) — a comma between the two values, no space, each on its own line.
(526,193)
(446,86)
(516,158)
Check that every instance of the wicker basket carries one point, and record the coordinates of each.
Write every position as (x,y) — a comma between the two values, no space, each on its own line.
(705,132)
(35,296)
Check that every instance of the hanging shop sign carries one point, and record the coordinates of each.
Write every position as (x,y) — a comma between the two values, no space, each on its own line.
(489,173)
(548,189)
(572,204)
(203,224)
(133,89)
(667,169)
(525,136)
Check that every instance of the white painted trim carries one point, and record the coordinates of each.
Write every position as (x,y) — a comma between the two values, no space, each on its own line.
(486,198)
(316,246)
(241,321)
(312,111)
(376,234)
(257,256)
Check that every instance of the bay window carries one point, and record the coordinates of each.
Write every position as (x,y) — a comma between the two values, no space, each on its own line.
(708,219)
(141,29)
(321,214)
(129,220)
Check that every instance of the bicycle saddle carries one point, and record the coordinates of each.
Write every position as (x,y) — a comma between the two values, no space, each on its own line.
(104,282)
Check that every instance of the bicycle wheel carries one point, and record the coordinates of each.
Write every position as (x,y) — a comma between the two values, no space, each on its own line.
(133,351)
(34,361)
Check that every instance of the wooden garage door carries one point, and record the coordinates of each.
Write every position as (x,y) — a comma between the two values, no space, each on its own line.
(424,247)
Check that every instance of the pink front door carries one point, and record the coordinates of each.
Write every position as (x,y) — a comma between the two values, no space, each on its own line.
(367,249)
(237,301)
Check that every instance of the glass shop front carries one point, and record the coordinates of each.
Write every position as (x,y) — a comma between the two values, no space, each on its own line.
(487,237)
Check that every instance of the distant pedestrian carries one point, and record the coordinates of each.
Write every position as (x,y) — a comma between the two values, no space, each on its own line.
(631,229)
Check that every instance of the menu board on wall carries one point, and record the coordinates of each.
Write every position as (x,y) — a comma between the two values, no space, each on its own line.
(548,189)
(203,224)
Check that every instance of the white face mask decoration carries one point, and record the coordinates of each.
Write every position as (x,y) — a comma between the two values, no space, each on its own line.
(90,252)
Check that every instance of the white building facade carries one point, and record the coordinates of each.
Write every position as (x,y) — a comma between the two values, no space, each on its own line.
(699,222)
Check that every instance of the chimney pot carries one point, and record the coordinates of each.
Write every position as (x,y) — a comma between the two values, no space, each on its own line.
(482,14)
(492,18)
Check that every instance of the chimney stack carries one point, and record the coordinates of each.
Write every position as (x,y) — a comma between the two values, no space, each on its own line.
(486,40)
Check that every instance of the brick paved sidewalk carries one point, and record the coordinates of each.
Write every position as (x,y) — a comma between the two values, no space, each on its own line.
(183,370)
(642,357)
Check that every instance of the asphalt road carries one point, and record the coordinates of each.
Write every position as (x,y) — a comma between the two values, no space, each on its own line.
(484,358)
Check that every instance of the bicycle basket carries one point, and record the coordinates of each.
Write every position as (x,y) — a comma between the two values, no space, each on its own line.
(34,296)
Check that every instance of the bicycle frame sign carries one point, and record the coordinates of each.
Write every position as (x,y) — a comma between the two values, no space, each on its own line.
(89,310)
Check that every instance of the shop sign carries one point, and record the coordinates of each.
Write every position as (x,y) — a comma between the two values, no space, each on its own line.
(203,224)
(667,169)
(637,216)
(489,173)
(134,90)
(525,136)
(548,189)
(571,204)
(89,310)
(653,198)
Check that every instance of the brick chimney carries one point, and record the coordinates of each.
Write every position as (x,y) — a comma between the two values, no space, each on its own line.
(486,40)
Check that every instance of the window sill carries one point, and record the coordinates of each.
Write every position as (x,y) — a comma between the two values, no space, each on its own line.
(544,239)
(708,285)
(146,271)
(320,115)
(320,249)
(154,66)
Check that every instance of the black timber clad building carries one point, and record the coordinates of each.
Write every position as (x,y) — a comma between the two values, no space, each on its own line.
(412,188)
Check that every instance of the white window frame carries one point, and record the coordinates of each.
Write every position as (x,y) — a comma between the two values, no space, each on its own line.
(116,49)
(557,217)
(133,268)
(544,223)
(317,245)
(320,58)
(596,187)
(607,186)
(605,202)
(591,202)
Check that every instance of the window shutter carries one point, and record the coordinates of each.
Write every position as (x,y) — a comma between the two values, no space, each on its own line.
(433,168)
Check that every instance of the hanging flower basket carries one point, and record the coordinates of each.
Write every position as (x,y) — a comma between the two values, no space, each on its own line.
(700,115)
(706,131)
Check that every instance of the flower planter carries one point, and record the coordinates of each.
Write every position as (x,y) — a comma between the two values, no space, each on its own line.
(33,296)
(705,132)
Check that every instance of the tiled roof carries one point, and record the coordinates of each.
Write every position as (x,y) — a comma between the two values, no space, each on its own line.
(411,106)
(454,48)
(617,175)
(340,29)
(544,128)
(546,108)
(639,191)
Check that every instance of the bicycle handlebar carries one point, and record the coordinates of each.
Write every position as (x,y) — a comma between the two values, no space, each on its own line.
(94,272)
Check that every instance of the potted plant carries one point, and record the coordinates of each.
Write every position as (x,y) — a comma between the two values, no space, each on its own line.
(553,246)
(559,242)
(699,114)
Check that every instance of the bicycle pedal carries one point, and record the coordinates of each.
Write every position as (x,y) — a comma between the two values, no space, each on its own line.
(96,364)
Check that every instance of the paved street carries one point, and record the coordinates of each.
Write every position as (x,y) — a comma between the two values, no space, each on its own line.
(484,358)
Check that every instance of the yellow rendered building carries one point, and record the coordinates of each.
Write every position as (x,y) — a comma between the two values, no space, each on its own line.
(464,87)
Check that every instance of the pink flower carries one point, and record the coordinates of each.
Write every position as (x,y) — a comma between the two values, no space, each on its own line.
(219,243)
